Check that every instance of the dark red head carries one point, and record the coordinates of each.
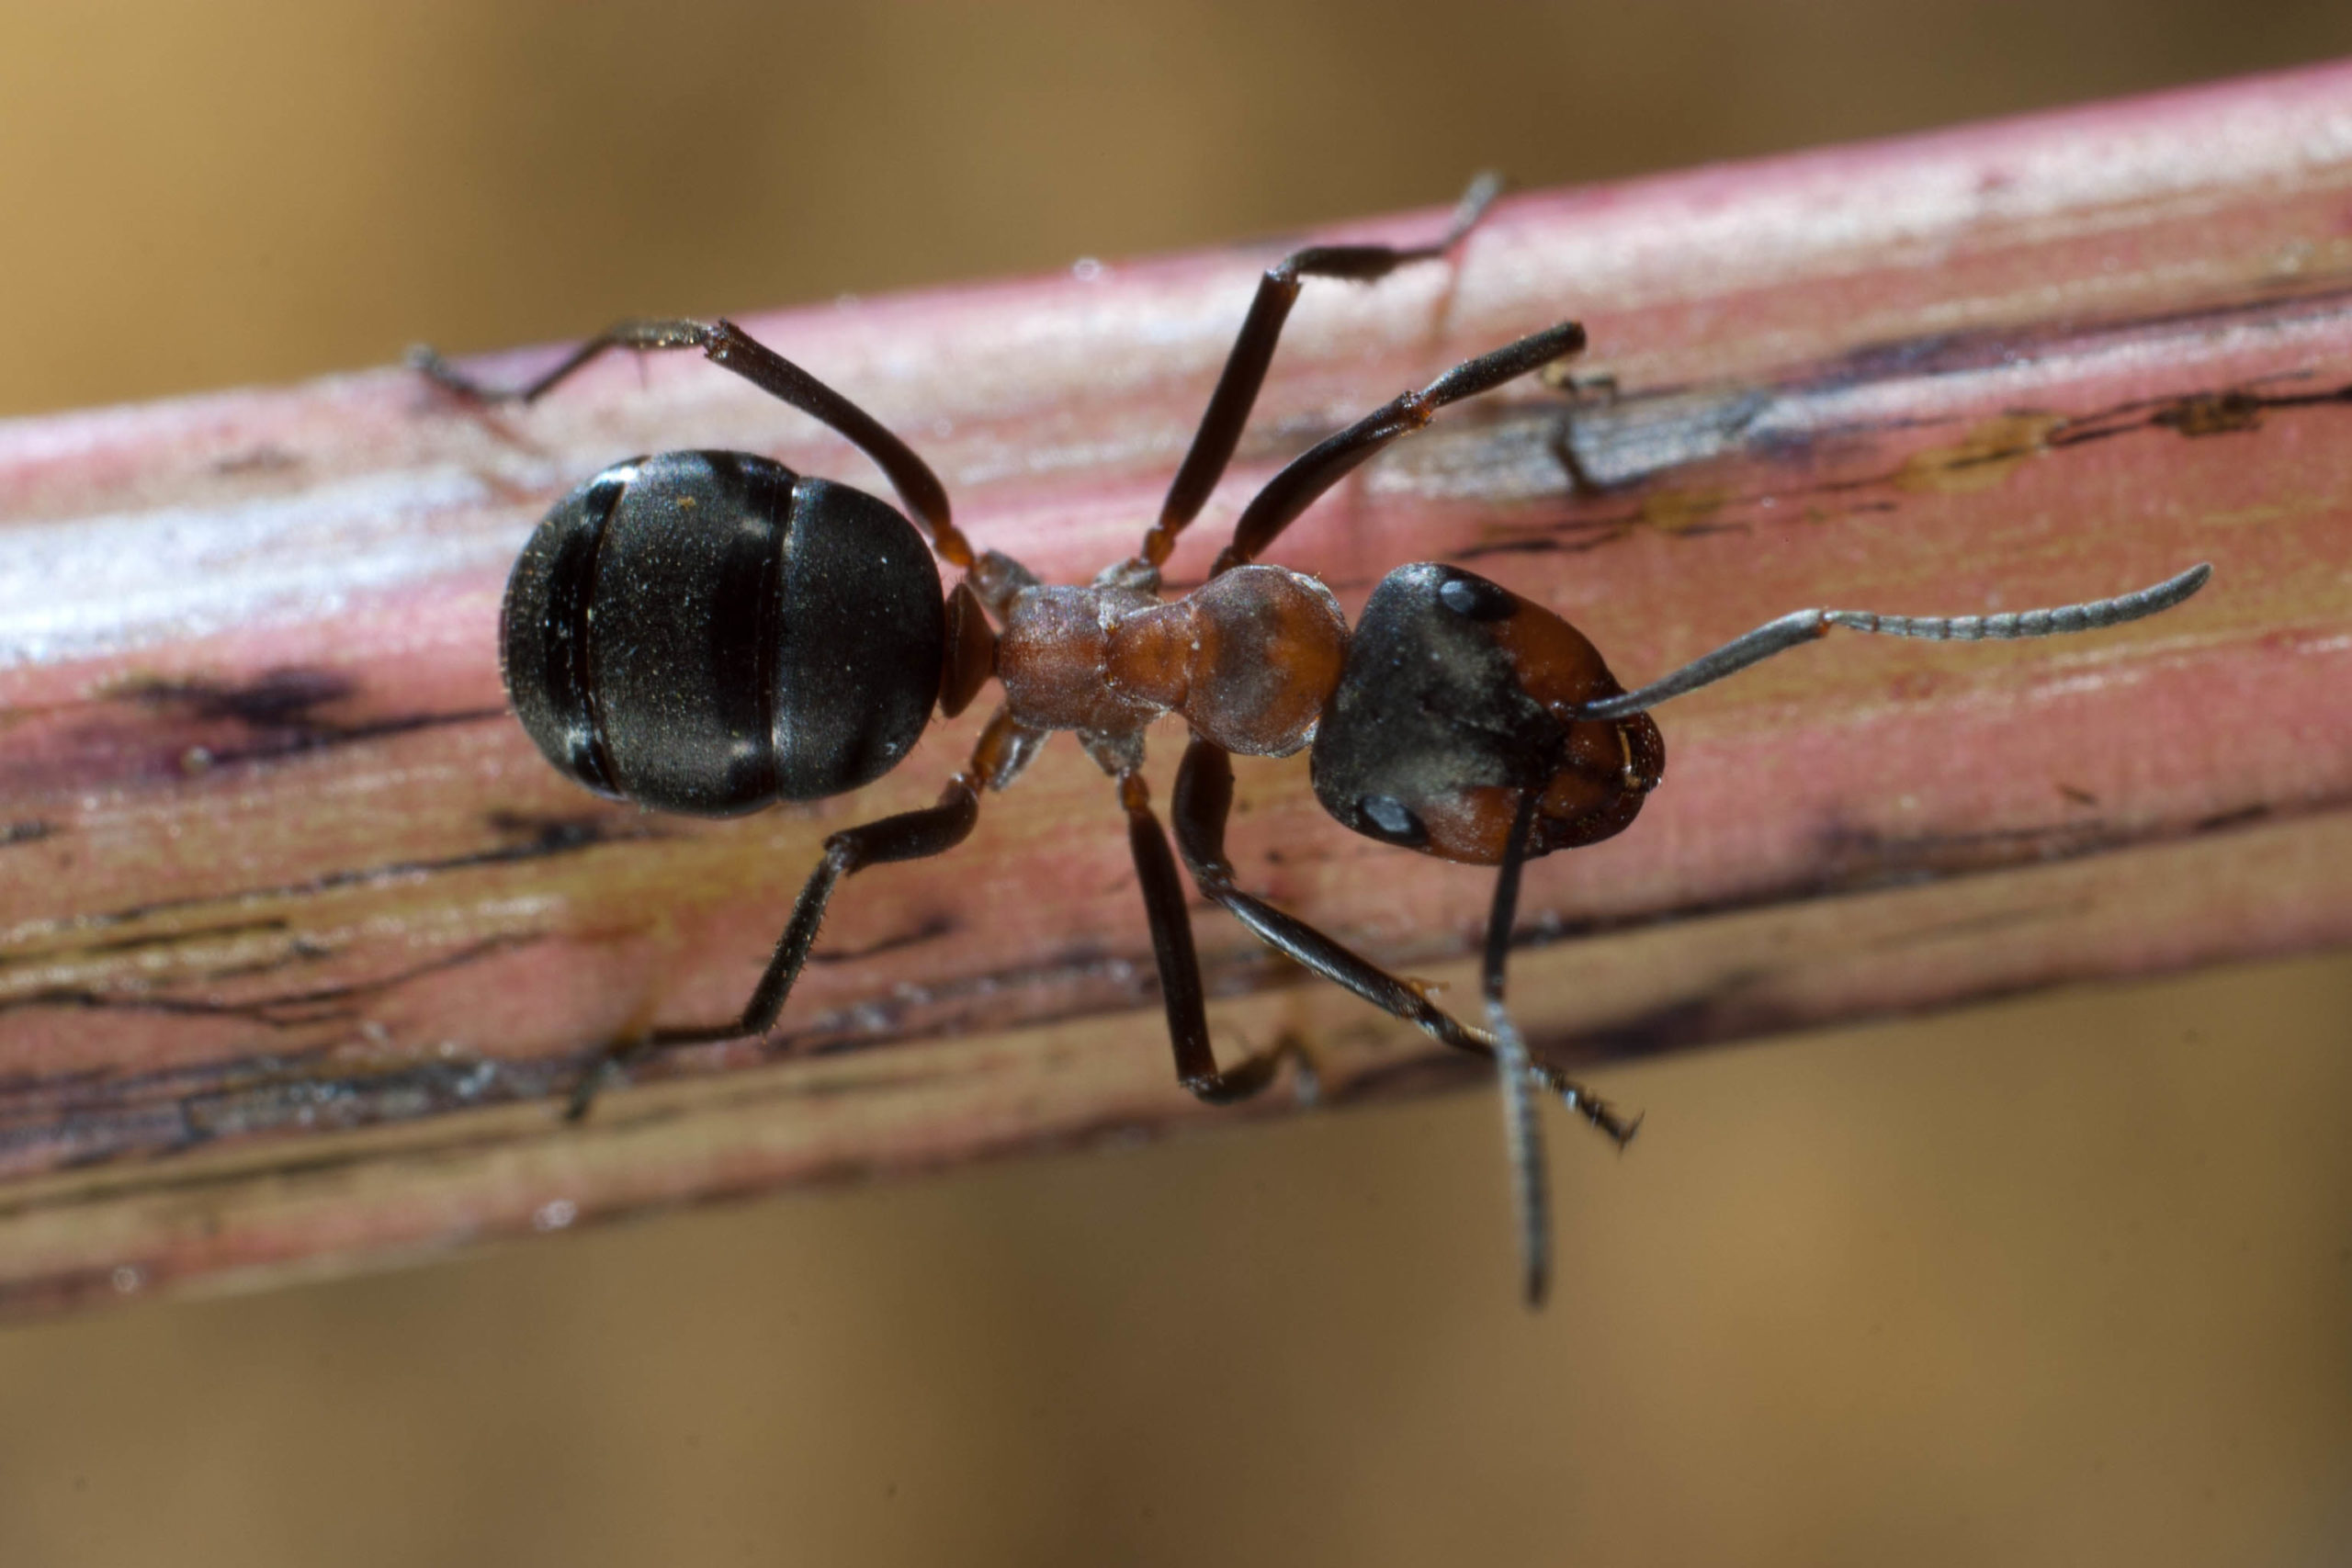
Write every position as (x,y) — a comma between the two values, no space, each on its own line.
(1454,702)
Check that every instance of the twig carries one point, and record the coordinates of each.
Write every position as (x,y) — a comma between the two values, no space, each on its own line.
(300,941)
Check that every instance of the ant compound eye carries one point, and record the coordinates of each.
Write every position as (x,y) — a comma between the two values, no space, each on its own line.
(1393,821)
(1476,598)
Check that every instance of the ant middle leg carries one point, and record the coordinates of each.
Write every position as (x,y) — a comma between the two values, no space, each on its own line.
(1253,351)
(1180,969)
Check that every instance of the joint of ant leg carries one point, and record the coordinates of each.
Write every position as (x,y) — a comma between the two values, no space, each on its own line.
(1214,1091)
(1426,989)
(1213,874)
(998,579)
(1134,794)
(843,851)
(427,361)
(718,339)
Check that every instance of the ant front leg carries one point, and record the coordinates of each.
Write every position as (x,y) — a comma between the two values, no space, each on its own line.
(1517,1072)
(1253,351)
(1204,801)
(1306,478)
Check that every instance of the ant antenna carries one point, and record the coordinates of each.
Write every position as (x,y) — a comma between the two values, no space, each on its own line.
(1804,626)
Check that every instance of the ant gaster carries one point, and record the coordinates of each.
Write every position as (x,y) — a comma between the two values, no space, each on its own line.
(710,633)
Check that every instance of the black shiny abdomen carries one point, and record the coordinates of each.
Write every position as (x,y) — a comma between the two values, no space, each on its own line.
(710,632)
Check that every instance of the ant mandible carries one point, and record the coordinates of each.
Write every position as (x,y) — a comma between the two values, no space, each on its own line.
(709,633)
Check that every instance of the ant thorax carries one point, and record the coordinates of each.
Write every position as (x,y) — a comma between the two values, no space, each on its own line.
(1248,660)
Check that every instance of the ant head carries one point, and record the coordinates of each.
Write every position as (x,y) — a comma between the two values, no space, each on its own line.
(1457,701)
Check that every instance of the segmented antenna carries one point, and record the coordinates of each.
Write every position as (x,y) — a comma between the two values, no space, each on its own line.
(1804,626)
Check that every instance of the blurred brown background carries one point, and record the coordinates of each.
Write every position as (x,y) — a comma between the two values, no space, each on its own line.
(2061,1280)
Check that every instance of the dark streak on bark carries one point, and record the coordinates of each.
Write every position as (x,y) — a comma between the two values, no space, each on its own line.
(164,939)
(467,1082)
(273,699)
(101,1118)
(931,929)
(2194,415)
(1694,425)
(278,709)
(290,1010)
(550,836)
(319,737)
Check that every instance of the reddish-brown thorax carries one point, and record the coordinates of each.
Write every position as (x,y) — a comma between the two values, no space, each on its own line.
(1248,660)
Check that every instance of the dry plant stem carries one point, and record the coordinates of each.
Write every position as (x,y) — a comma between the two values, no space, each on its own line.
(301,942)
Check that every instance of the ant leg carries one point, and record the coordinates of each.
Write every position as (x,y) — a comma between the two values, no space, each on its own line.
(1005,747)
(1253,350)
(725,343)
(1502,916)
(1522,1126)
(1522,1129)
(1180,968)
(1328,461)
(1204,800)
(912,835)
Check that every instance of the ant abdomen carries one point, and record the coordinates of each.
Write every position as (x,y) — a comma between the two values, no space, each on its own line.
(709,633)
(1452,706)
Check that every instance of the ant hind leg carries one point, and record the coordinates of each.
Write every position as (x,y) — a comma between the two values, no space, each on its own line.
(911,835)
(726,344)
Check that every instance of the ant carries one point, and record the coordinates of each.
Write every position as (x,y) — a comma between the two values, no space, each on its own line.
(710,633)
